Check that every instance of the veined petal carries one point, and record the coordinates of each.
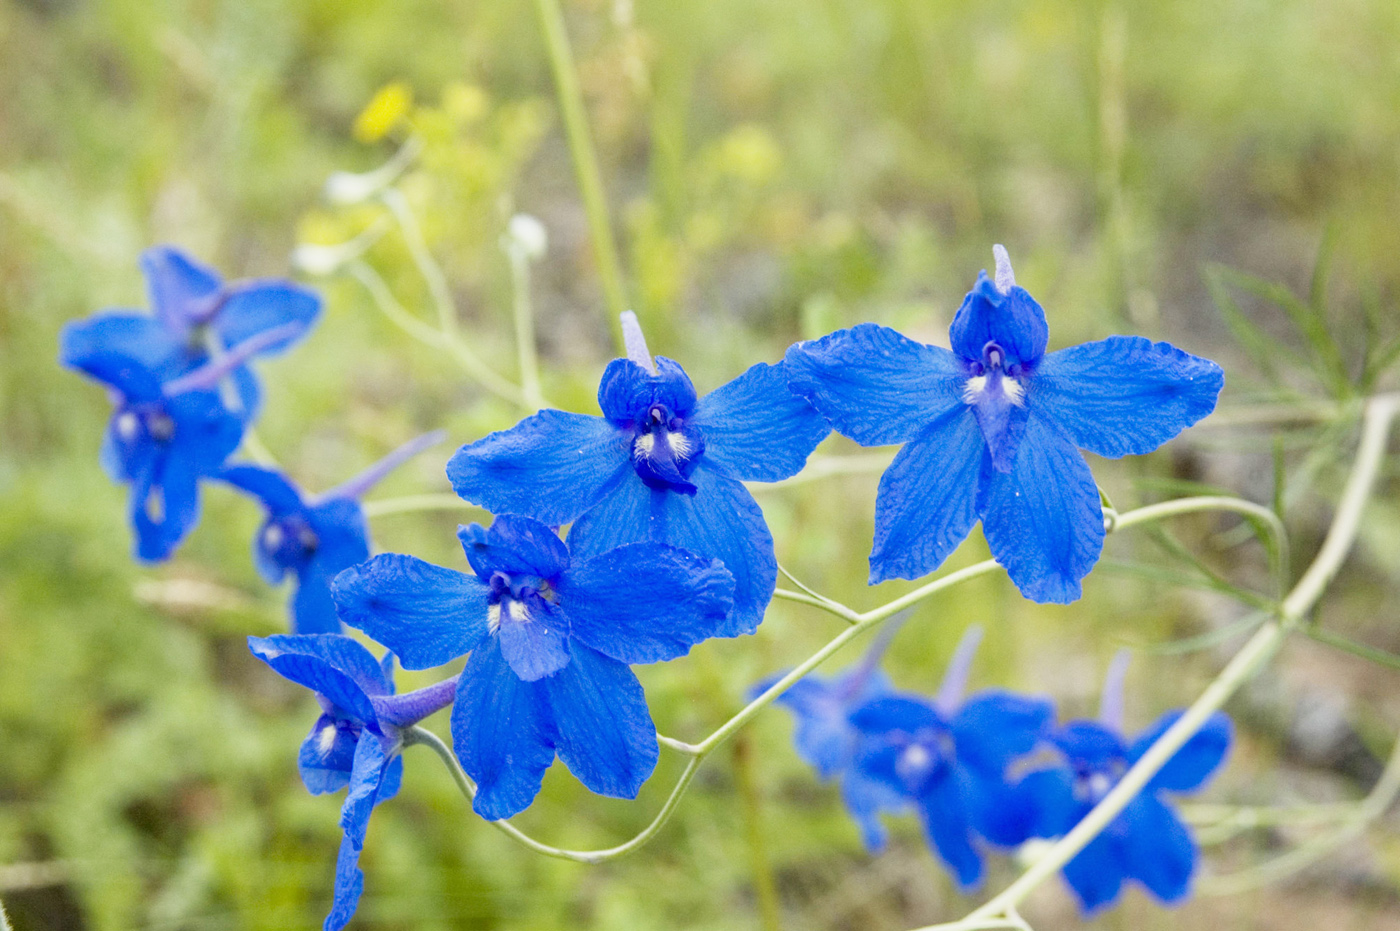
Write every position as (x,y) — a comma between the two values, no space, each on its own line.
(1089,742)
(269,486)
(626,390)
(943,810)
(254,307)
(644,603)
(349,885)
(135,336)
(755,429)
(875,385)
(365,777)
(605,734)
(551,466)
(1158,847)
(534,639)
(516,546)
(327,755)
(995,810)
(721,521)
(1197,760)
(1096,873)
(342,534)
(312,608)
(178,286)
(206,434)
(502,732)
(1014,321)
(927,502)
(425,614)
(331,665)
(1043,519)
(995,727)
(1124,395)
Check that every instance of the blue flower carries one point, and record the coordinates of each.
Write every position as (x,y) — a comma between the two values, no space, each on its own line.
(314,539)
(550,638)
(196,314)
(948,760)
(659,466)
(356,740)
(992,431)
(825,737)
(165,435)
(1147,841)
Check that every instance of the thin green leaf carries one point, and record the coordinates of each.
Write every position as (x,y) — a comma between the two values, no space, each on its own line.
(1208,639)
(1347,645)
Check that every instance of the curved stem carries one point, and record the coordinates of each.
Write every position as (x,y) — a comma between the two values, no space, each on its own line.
(421,735)
(523,310)
(590,180)
(1380,412)
(390,307)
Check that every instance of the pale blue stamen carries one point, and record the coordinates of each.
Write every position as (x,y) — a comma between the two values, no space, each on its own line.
(1005,278)
(1111,702)
(635,342)
(950,693)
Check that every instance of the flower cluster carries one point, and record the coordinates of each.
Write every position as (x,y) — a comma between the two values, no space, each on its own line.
(665,548)
(995,770)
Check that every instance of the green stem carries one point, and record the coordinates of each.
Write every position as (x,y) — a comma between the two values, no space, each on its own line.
(524,312)
(765,889)
(590,181)
(421,735)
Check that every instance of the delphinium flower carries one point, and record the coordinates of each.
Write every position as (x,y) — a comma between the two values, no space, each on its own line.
(195,316)
(659,466)
(826,739)
(948,759)
(355,741)
(314,538)
(992,430)
(550,636)
(1147,841)
(166,434)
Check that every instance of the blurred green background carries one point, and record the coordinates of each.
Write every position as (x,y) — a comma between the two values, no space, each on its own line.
(776,169)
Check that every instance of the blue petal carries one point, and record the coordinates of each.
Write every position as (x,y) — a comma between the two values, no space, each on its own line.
(1049,795)
(349,884)
(875,385)
(995,810)
(755,429)
(993,728)
(312,608)
(552,466)
(255,307)
(1096,873)
(1158,848)
(276,492)
(1089,743)
(644,603)
(605,734)
(721,520)
(1195,762)
(333,666)
(535,645)
(136,336)
(327,755)
(132,378)
(627,390)
(1043,520)
(342,537)
(425,614)
(366,777)
(206,434)
(945,817)
(503,734)
(164,511)
(895,713)
(1014,321)
(927,501)
(516,546)
(180,287)
(1124,395)
(865,799)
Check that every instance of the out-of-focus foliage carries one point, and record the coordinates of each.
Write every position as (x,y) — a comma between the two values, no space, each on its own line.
(777,169)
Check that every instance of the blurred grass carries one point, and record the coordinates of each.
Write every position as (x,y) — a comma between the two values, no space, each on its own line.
(777,169)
